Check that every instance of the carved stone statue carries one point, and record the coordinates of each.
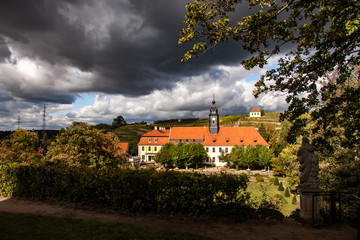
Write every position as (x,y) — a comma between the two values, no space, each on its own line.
(309,168)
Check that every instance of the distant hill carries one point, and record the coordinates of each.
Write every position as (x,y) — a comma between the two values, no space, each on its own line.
(245,120)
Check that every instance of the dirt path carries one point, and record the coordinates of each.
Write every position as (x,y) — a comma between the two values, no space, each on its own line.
(263,229)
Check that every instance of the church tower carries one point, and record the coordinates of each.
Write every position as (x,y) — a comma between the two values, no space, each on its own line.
(213,118)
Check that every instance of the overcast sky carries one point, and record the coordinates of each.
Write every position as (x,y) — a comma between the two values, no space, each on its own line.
(92,60)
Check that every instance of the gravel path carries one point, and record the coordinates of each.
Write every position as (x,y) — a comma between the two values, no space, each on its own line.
(253,229)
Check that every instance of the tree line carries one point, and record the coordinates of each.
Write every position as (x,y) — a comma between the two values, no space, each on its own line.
(78,144)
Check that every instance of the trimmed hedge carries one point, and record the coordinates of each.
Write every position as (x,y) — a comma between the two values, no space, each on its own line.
(7,178)
(287,192)
(259,178)
(276,181)
(125,189)
(281,187)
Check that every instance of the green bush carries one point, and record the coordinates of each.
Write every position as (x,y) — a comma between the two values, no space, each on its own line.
(259,178)
(125,189)
(276,181)
(287,193)
(294,199)
(268,209)
(7,178)
(281,198)
(244,176)
(281,187)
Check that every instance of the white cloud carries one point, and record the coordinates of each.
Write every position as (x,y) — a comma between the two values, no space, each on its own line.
(36,79)
(190,97)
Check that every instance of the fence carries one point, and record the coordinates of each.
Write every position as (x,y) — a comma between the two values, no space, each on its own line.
(337,207)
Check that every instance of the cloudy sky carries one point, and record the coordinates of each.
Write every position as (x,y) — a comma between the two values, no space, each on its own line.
(92,60)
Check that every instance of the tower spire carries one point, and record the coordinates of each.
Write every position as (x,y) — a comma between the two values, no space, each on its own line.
(213,118)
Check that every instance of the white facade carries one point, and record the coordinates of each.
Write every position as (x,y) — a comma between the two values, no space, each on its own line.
(214,152)
(147,153)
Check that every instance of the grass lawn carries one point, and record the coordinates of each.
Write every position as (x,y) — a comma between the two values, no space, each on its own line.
(25,226)
(256,190)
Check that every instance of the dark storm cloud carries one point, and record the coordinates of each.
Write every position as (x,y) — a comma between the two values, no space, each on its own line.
(5,53)
(27,15)
(130,46)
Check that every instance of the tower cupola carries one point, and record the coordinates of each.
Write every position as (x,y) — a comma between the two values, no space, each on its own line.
(213,118)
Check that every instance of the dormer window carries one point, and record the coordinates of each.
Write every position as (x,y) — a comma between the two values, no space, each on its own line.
(241,140)
(149,139)
(155,140)
(227,139)
(255,140)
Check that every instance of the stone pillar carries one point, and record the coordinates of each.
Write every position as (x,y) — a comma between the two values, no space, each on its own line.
(309,183)
(310,205)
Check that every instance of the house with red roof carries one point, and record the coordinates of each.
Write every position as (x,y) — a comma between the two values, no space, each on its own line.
(214,138)
(151,143)
(255,113)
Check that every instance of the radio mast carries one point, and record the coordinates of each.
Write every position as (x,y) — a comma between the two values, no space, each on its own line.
(44,118)
(18,122)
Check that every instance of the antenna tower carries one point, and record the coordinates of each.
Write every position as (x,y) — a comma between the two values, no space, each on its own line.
(44,118)
(18,122)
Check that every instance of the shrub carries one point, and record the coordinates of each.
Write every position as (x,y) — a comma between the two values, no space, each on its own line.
(281,187)
(244,176)
(294,199)
(287,193)
(276,181)
(281,198)
(7,178)
(259,178)
(269,209)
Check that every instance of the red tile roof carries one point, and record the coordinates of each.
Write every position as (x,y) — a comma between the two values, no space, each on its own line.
(255,110)
(156,137)
(227,136)
(124,146)
(181,133)
(231,136)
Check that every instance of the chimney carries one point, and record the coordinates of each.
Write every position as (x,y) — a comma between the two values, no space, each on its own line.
(155,128)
